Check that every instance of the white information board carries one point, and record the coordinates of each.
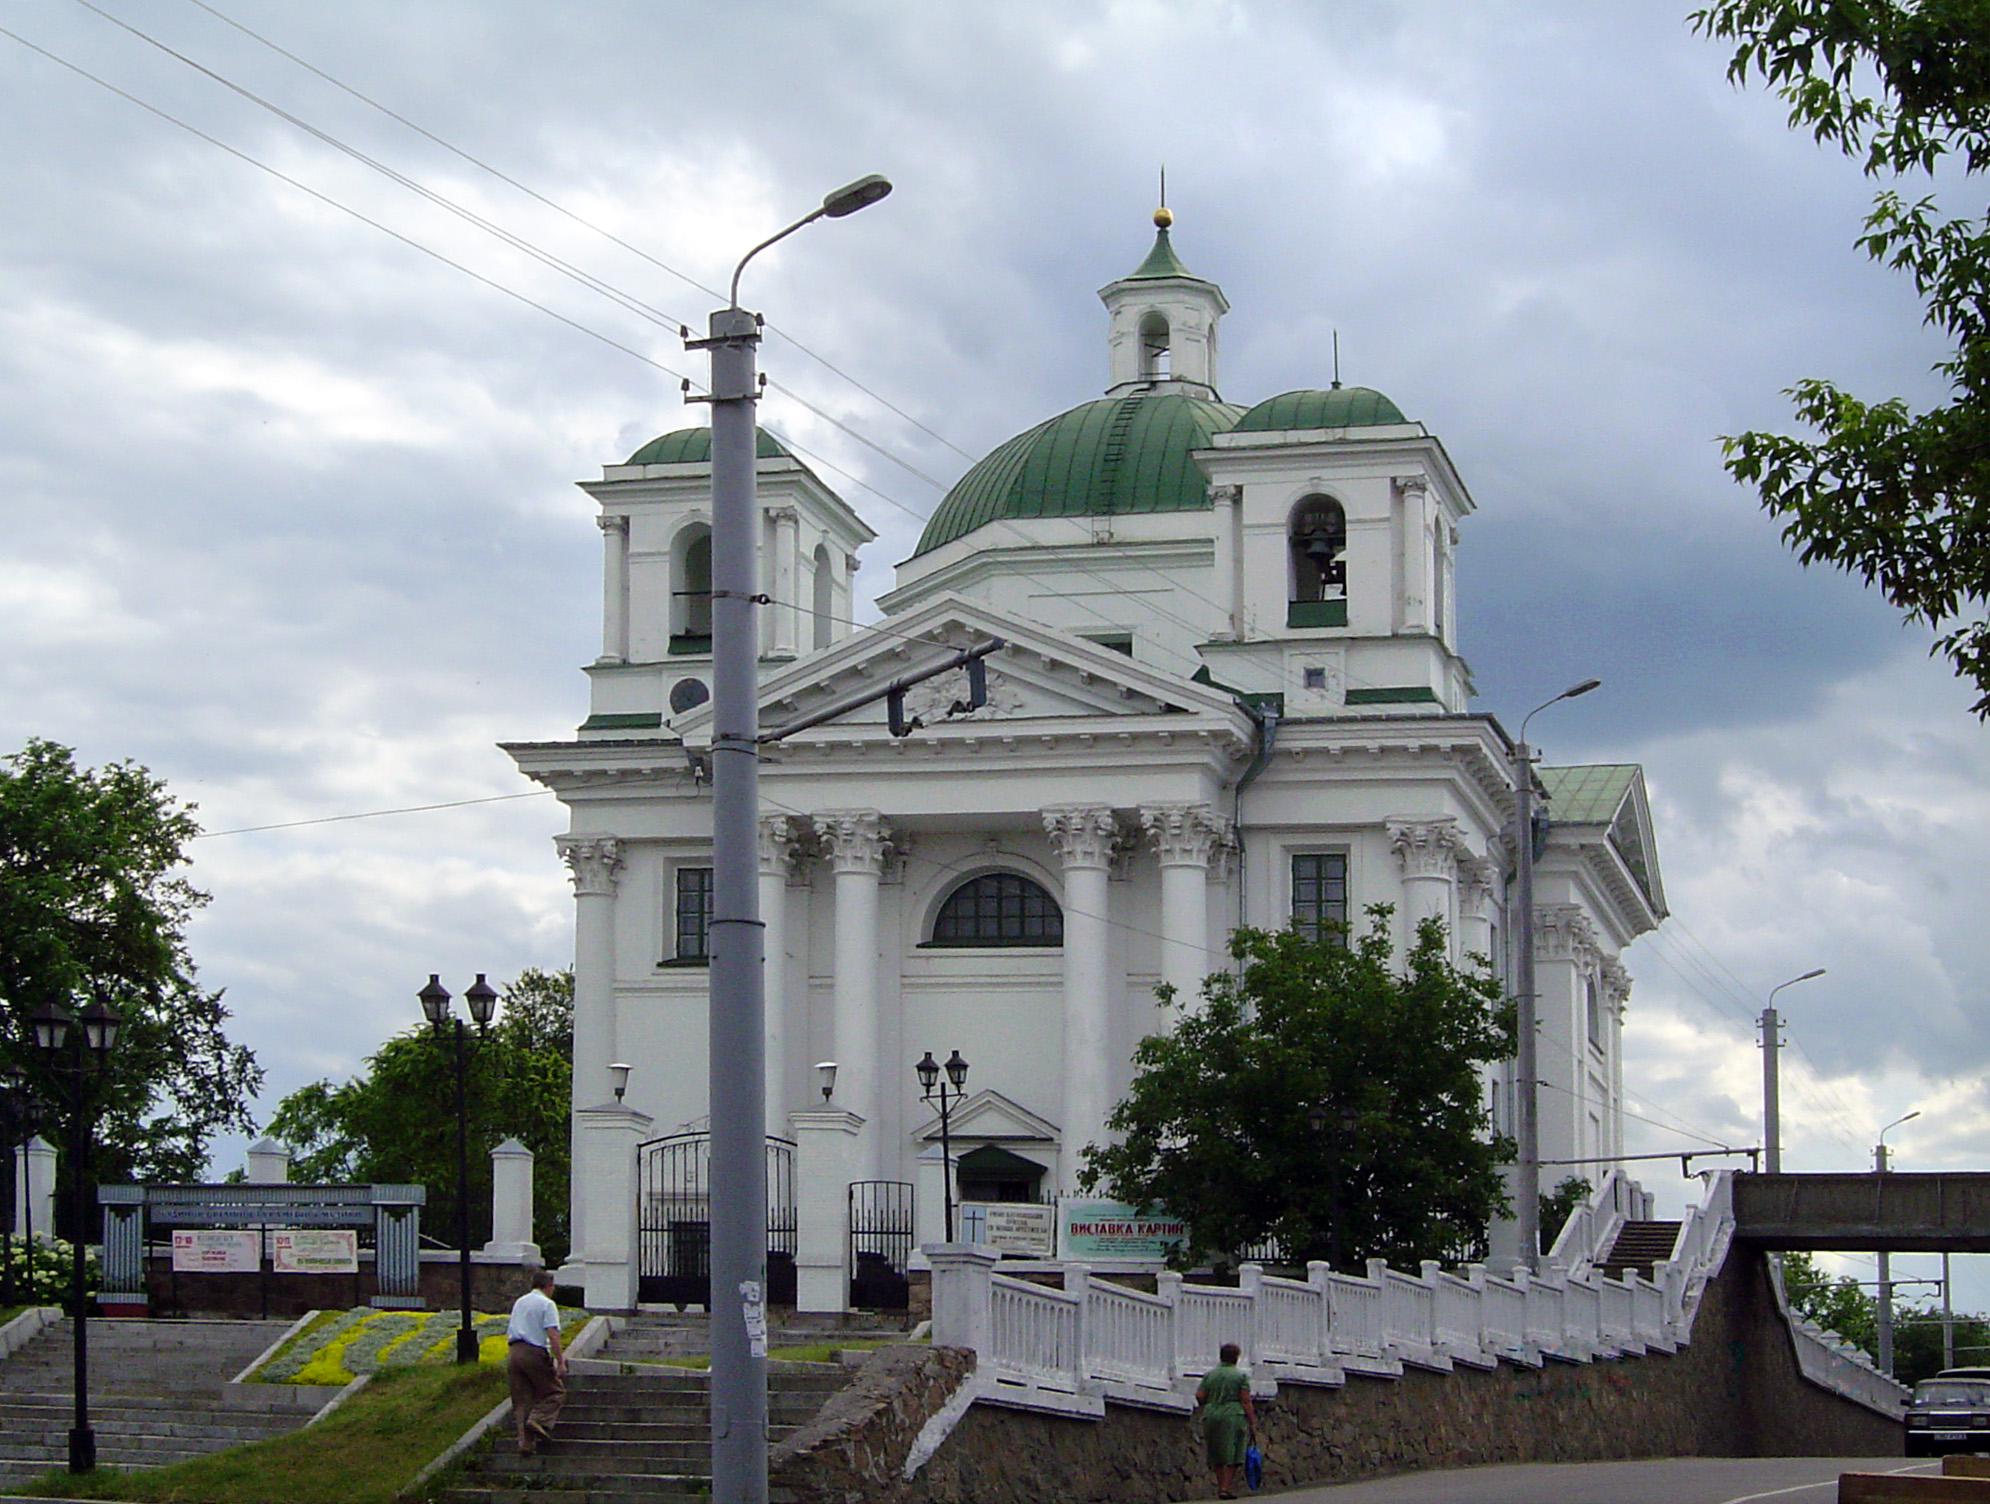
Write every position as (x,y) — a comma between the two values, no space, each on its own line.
(216,1251)
(314,1250)
(1018,1227)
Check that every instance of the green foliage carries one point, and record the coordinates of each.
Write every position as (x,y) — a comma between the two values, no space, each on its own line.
(91,906)
(1899,498)
(1838,1305)
(1216,1125)
(396,1122)
(1556,1206)
(43,1270)
(1842,1306)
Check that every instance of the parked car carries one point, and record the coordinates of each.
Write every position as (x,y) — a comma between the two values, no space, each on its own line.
(1950,1413)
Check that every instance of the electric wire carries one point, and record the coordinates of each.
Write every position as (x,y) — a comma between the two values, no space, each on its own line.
(371,814)
(1668,1127)
(578,219)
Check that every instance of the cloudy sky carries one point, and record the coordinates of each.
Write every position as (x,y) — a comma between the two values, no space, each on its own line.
(287,499)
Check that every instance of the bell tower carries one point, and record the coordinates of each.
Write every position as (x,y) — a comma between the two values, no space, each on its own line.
(1161,335)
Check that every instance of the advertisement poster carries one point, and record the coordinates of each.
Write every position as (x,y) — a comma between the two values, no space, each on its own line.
(1110,1233)
(304,1250)
(213,1251)
(1015,1227)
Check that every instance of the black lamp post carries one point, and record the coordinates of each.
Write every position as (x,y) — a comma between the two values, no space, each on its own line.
(76,1050)
(1336,1148)
(932,1088)
(481,999)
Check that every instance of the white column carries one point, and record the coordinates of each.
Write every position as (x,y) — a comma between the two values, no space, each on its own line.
(782,573)
(596,864)
(828,1148)
(1565,951)
(511,1204)
(1616,993)
(1478,882)
(777,848)
(1184,836)
(1229,579)
(1413,551)
(1083,836)
(605,1140)
(614,589)
(1429,852)
(34,1188)
(856,839)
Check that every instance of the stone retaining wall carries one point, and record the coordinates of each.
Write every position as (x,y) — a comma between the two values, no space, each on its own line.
(1734,1391)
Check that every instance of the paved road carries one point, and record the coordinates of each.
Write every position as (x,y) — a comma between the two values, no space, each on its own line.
(1674,1480)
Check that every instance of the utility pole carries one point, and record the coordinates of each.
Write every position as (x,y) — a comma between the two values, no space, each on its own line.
(1885,1322)
(1772,1041)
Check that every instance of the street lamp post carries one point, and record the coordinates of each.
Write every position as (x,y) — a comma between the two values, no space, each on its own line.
(1335,1149)
(736,1037)
(1885,1259)
(1527,1088)
(76,1050)
(1772,1116)
(930,1083)
(480,997)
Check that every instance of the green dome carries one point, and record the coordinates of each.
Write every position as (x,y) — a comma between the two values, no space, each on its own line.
(1339,407)
(1108,458)
(693,446)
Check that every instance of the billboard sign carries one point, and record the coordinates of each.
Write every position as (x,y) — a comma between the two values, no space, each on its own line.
(213,1251)
(1109,1232)
(314,1250)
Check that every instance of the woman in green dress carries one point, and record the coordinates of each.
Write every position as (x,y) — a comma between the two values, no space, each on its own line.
(1228,1418)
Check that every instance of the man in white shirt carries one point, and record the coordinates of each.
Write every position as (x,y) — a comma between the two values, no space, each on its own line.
(534,1364)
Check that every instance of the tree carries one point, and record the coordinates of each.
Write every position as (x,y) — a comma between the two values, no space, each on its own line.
(92,906)
(1559,1204)
(1843,1306)
(396,1122)
(1217,1124)
(1901,499)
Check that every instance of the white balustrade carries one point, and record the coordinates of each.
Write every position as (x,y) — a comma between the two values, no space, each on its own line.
(1033,1333)
(1503,1307)
(1206,1317)
(1358,1326)
(1129,1336)
(1458,1310)
(1289,1328)
(1409,1308)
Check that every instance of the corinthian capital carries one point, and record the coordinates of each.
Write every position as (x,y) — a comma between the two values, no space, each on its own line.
(1184,835)
(1428,848)
(1226,496)
(1478,876)
(1562,932)
(594,861)
(1083,834)
(1616,982)
(778,840)
(855,839)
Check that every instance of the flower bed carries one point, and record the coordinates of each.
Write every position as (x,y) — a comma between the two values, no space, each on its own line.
(339,1349)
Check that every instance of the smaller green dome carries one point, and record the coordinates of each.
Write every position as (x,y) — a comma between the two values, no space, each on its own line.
(693,446)
(1338,407)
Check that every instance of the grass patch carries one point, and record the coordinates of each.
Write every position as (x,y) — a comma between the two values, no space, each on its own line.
(812,1352)
(363,1453)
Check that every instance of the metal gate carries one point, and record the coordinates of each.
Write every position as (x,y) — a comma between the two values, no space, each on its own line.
(674,1220)
(881,1239)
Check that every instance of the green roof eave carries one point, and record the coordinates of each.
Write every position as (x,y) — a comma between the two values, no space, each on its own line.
(1161,262)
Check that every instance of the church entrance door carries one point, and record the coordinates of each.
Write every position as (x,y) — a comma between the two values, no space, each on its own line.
(882,1233)
(674,1220)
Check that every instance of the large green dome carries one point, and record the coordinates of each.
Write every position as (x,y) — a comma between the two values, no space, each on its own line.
(693,446)
(1112,457)
(1336,407)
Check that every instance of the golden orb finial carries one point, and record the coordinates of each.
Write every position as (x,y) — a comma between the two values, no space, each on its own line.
(1163,217)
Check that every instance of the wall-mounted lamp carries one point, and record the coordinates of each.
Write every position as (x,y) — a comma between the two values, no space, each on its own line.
(825,1077)
(618,1074)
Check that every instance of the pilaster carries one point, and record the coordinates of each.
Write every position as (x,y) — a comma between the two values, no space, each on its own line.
(1186,837)
(778,840)
(855,841)
(1084,837)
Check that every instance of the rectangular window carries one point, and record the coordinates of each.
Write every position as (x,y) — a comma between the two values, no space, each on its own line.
(1319,895)
(694,914)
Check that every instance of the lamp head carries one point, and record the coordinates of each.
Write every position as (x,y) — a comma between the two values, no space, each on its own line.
(618,1077)
(1316,1119)
(851,197)
(100,1029)
(434,1000)
(481,998)
(50,1024)
(1581,689)
(957,1070)
(825,1077)
(929,1073)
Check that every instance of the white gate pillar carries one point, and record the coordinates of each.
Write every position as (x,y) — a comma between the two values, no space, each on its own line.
(828,1146)
(34,1188)
(511,1204)
(962,1293)
(605,1141)
(268,1163)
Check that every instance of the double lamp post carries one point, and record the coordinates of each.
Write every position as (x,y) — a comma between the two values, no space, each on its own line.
(480,997)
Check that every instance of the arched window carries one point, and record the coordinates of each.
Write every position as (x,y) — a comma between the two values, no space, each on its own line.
(1319,543)
(691,602)
(1593,1006)
(999,908)
(1155,354)
(825,597)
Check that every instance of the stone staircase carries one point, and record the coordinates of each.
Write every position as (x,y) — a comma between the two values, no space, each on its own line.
(1639,1246)
(159,1392)
(635,1431)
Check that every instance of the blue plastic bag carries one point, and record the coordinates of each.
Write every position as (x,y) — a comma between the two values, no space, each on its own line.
(1253,1465)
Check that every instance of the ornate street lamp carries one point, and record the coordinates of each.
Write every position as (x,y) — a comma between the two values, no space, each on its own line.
(948,1092)
(481,999)
(76,1050)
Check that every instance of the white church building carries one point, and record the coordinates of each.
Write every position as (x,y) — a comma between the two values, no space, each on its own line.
(1230,691)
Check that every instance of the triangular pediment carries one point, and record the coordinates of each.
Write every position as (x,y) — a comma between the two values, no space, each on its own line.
(1039,674)
(989,1117)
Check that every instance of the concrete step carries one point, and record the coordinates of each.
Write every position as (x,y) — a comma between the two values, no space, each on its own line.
(636,1491)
